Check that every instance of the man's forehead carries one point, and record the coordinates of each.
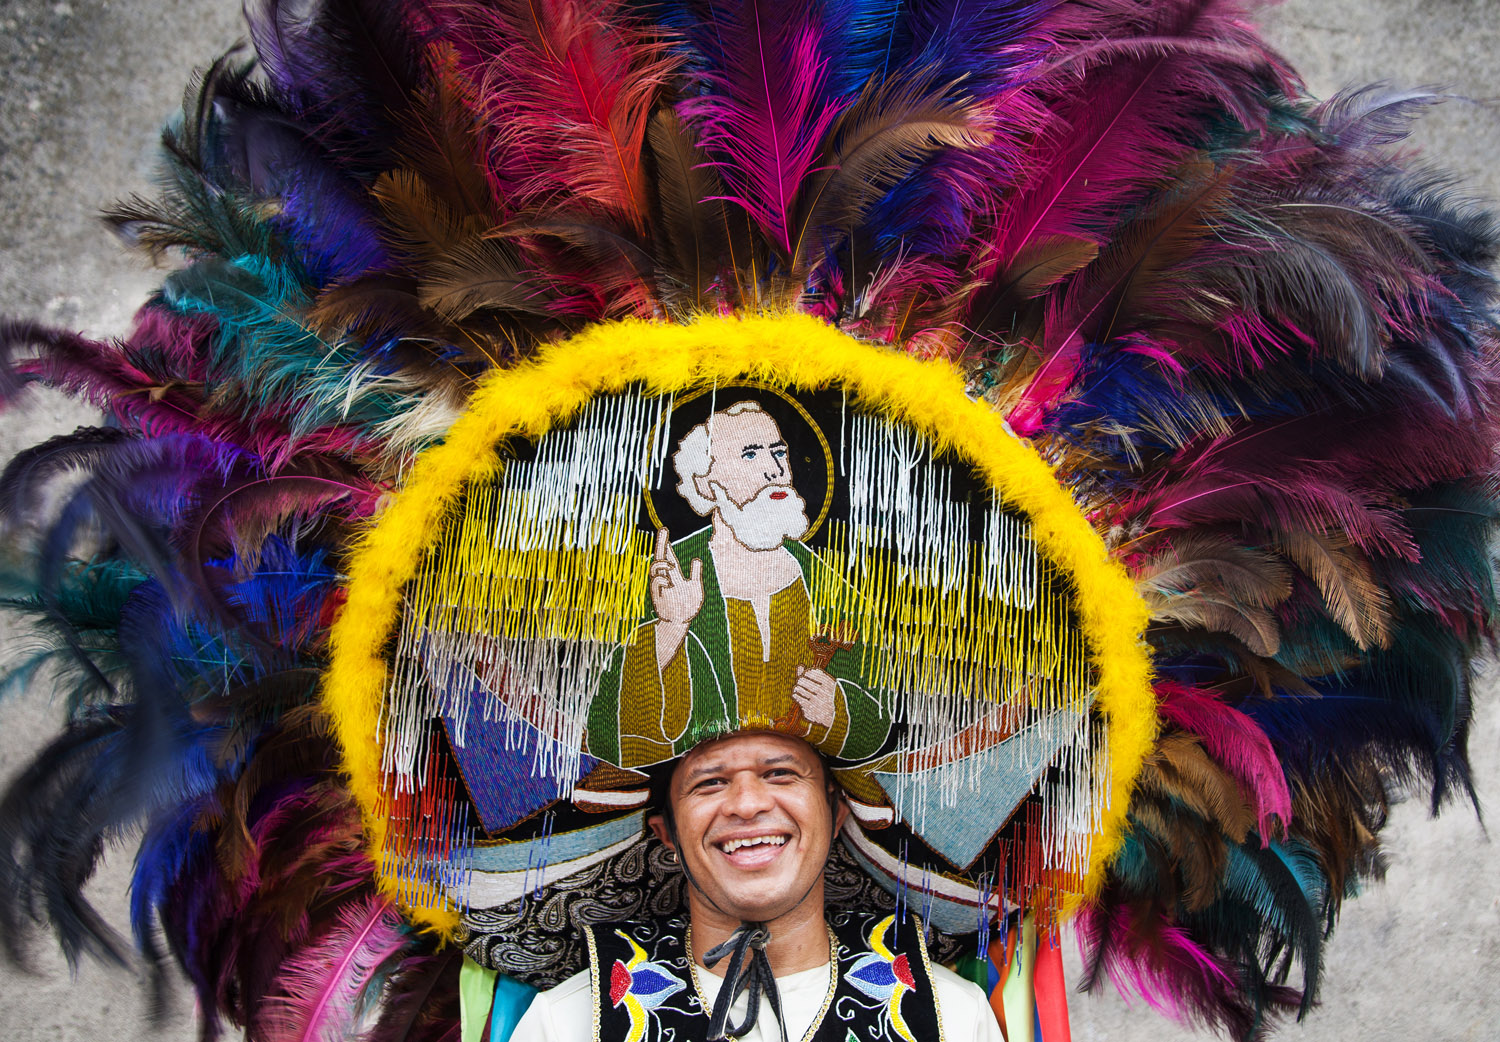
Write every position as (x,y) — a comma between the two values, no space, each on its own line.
(764,749)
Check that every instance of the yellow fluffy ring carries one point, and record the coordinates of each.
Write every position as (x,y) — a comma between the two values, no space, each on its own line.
(790,351)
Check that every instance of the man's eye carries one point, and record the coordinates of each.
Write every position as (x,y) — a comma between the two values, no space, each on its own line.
(747,454)
(779,453)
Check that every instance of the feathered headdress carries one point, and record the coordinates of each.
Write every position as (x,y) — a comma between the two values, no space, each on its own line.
(1143,409)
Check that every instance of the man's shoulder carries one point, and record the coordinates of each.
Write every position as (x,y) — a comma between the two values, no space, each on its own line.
(964,1008)
(561,1014)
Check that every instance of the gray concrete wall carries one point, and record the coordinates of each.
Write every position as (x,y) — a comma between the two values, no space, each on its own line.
(88,82)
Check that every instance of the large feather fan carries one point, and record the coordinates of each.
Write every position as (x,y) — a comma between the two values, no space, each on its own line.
(1257,344)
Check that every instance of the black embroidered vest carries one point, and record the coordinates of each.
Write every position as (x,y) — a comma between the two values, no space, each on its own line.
(644,988)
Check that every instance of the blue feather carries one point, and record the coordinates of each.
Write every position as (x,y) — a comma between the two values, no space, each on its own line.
(172,842)
(1312,734)
(285,596)
(865,38)
(980,46)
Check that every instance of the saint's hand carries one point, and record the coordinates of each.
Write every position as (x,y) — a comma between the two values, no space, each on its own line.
(816,691)
(677,597)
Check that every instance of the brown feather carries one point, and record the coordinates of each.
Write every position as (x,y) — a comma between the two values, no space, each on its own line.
(1217,612)
(1192,776)
(693,237)
(418,221)
(1351,593)
(482,273)
(882,137)
(1195,852)
(440,141)
(1213,561)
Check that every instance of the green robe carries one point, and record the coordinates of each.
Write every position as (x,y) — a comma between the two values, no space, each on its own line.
(721,680)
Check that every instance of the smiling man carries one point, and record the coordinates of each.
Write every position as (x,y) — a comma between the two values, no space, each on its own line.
(752,818)
(728,637)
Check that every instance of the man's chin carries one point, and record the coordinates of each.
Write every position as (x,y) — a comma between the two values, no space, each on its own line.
(753,909)
(757,899)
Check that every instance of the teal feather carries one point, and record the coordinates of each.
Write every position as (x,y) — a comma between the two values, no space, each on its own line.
(274,365)
(71,632)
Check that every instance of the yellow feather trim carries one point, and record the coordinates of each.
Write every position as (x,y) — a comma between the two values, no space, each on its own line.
(790,351)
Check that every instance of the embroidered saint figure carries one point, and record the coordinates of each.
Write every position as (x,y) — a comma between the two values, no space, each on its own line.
(728,640)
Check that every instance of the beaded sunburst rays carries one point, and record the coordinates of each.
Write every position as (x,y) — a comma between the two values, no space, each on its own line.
(658,534)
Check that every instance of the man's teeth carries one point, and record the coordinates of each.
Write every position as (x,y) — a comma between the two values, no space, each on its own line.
(735,844)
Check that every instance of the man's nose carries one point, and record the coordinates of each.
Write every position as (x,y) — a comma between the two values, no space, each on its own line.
(747,796)
(775,469)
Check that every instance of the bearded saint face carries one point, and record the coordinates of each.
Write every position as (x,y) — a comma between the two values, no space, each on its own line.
(749,482)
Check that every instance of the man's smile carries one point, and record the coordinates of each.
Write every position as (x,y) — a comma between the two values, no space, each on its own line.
(778,495)
(753,851)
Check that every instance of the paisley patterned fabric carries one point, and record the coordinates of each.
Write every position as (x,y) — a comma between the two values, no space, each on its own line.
(527,939)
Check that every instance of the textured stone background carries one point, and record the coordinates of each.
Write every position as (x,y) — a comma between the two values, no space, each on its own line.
(87,84)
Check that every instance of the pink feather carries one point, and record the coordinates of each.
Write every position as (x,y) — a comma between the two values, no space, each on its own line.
(1237,744)
(1164,966)
(329,991)
(568,86)
(764,111)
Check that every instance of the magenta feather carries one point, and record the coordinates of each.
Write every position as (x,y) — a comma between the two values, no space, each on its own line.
(1121,129)
(1119,134)
(1341,469)
(568,88)
(763,112)
(1147,955)
(109,374)
(329,990)
(1177,948)
(1237,744)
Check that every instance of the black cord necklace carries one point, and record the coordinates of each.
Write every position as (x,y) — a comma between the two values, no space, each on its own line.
(752,974)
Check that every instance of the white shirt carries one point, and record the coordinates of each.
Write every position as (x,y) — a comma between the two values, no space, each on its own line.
(566,1013)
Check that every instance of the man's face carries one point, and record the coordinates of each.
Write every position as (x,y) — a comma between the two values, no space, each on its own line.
(750,481)
(754,825)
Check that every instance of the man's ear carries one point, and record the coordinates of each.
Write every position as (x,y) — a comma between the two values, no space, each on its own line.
(704,486)
(658,825)
(840,813)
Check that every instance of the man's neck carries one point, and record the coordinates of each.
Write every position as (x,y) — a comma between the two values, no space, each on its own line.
(799,938)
